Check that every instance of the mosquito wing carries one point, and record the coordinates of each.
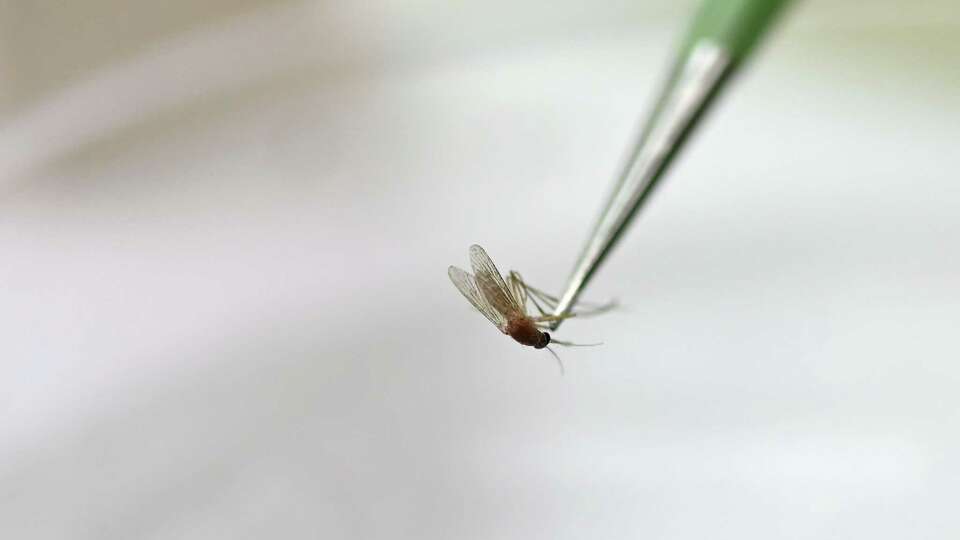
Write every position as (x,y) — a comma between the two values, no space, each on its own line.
(492,287)
(467,286)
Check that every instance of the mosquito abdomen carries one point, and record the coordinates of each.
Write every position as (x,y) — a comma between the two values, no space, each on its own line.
(524,331)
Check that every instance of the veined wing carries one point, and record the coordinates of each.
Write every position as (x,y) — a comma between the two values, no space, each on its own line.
(492,287)
(467,286)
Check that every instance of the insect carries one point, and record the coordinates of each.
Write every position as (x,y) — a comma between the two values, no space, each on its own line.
(503,302)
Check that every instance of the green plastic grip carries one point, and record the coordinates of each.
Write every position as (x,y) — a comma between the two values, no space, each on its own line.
(736,25)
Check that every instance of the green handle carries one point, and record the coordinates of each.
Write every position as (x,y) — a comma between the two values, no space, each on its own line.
(736,25)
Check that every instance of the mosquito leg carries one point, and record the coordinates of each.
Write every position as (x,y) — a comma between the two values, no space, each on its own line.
(571,344)
(552,318)
(544,319)
(559,362)
(541,294)
(597,310)
(537,304)
(551,302)
(524,291)
(547,300)
(517,288)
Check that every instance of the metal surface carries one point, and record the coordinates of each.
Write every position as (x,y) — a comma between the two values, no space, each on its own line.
(722,35)
(683,99)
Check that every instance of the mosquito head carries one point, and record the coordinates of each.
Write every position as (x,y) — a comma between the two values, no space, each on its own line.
(544,341)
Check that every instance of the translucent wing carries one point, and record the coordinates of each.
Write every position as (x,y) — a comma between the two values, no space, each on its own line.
(467,286)
(491,285)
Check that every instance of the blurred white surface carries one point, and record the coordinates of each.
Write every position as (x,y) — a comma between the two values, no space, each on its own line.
(224,311)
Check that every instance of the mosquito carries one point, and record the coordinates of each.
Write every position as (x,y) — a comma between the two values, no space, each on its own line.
(503,302)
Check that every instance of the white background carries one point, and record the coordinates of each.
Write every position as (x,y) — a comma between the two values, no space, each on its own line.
(224,310)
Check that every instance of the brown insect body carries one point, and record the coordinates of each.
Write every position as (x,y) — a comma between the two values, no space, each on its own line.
(524,331)
(503,302)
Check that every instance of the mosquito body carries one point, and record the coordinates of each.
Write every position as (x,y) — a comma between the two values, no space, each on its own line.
(503,301)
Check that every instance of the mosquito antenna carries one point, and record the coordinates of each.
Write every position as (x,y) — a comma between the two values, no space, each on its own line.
(559,362)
